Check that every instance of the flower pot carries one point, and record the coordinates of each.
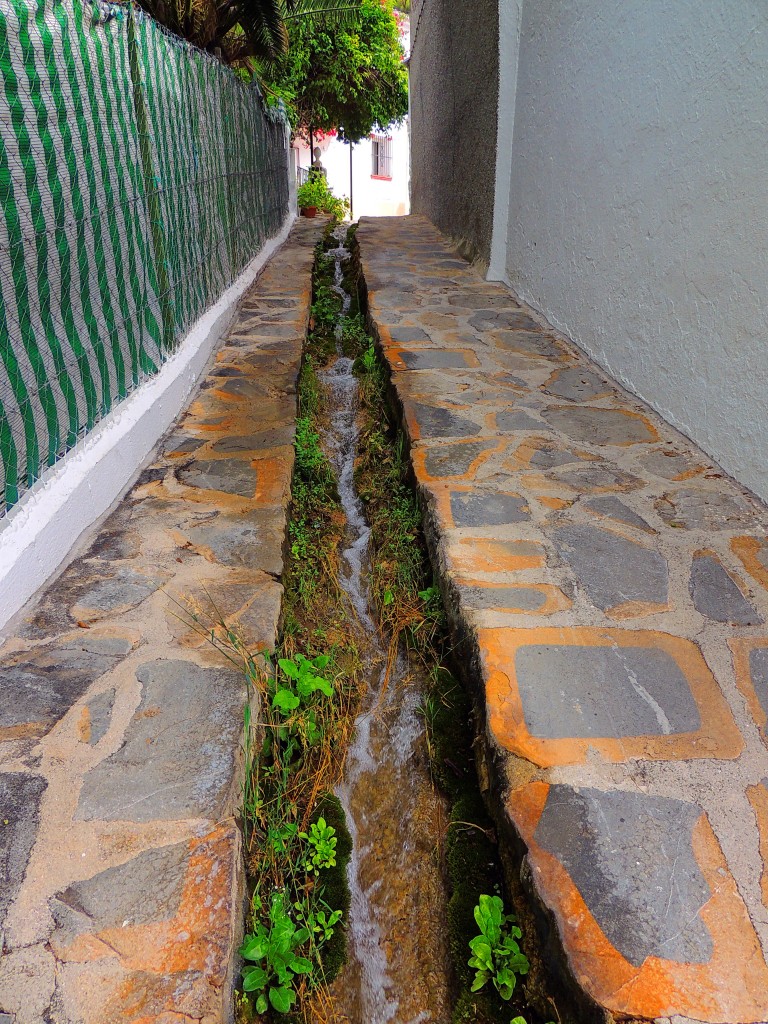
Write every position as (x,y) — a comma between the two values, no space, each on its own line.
(308,211)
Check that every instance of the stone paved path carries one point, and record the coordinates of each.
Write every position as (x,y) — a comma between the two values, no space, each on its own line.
(121,729)
(613,587)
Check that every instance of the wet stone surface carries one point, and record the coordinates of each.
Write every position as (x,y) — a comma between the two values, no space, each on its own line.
(20,797)
(166,771)
(603,691)
(608,595)
(37,690)
(715,594)
(601,426)
(602,837)
(453,460)
(480,508)
(611,569)
(230,475)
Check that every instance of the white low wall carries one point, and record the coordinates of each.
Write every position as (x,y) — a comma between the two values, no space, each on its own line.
(38,535)
(638,202)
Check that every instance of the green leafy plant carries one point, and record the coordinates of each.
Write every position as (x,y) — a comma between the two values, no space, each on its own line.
(271,975)
(316,192)
(319,923)
(496,955)
(322,840)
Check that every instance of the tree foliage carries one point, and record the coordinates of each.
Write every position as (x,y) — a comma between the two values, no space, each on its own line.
(344,77)
(240,30)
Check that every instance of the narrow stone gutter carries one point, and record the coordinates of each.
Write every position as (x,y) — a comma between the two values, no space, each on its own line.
(121,727)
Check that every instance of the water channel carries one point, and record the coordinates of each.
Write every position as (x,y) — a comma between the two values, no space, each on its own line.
(397,967)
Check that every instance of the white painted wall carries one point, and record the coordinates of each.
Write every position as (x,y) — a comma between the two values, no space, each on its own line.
(371,197)
(638,203)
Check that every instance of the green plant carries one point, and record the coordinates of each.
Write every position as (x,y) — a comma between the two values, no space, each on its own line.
(496,954)
(316,192)
(322,839)
(319,923)
(271,975)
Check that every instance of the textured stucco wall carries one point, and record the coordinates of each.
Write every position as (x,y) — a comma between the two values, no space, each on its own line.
(638,216)
(454,95)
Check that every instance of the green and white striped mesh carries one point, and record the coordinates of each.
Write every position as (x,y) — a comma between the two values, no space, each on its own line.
(138,177)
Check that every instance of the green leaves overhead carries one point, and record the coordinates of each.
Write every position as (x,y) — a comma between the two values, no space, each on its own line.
(240,30)
(345,77)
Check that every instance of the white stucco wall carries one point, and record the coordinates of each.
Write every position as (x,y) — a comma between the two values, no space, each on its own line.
(638,203)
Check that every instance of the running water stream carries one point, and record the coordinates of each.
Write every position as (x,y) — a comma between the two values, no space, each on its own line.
(397,967)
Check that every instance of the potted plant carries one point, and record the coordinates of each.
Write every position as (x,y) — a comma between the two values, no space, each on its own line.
(315,195)
(312,196)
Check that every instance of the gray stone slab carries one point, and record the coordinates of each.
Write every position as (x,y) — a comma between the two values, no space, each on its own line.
(488,508)
(256,327)
(669,464)
(600,476)
(178,758)
(612,508)
(551,455)
(577,384)
(512,420)
(599,426)
(99,715)
(274,437)
(758,671)
(502,319)
(525,599)
(253,541)
(531,343)
(612,570)
(182,444)
(435,421)
(115,544)
(37,689)
(89,589)
(434,359)
(631,858)
(476,299)
(694,508)
(233,476)
(582,692)
(406,334)
(20,797)
(453,459)
(144,890)
(124,590)
(716,595)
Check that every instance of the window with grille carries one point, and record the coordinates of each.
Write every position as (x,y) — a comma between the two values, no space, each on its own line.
(381,149)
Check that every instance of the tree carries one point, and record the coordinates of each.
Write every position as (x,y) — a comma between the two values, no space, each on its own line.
(343,78)
(238,31)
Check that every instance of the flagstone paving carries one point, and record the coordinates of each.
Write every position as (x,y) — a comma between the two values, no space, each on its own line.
(612,587)
(121,728)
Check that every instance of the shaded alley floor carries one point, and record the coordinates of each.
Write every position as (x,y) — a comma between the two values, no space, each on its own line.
(610,584)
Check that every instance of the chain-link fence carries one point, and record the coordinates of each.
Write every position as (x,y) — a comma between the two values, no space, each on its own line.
(138,177)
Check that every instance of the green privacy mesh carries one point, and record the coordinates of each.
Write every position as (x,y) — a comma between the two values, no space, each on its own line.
(138,177)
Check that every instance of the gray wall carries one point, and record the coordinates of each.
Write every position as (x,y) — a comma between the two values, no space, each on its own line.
(638,203)
(454,96)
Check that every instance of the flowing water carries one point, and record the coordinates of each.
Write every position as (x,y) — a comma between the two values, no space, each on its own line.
(397,967)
